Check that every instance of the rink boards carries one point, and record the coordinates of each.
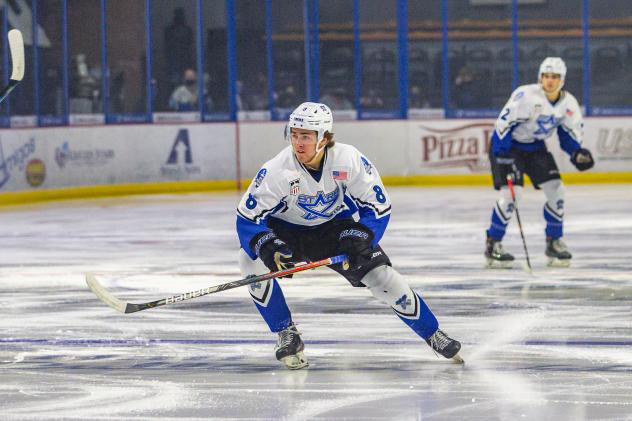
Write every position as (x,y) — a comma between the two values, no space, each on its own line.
(51,163)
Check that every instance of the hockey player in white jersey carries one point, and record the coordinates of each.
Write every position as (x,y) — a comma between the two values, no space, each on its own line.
(532,114)
(300,207)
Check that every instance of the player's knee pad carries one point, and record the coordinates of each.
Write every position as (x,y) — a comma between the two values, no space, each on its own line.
(388,286)
(247,267)
(505,204)
(554,191)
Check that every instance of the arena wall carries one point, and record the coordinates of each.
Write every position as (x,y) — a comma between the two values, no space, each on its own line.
(70,162)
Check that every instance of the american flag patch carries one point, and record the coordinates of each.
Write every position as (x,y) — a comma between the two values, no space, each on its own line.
(339,175)
(569,112)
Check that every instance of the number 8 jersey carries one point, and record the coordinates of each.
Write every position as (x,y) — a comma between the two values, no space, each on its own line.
(284,189)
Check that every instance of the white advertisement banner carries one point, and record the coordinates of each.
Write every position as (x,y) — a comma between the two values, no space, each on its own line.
(32,159)
(67,157)
(450,146)
(462,146)
(611,143)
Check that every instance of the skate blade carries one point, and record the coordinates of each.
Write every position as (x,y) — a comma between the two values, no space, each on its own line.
(497,264)
(458,360)
(558,263)
(295,362)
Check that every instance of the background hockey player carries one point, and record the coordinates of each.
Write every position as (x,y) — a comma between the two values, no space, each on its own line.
(300,207)
(532,114)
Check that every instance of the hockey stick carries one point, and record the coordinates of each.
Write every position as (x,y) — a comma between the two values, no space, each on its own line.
(126,307)
(16,45)
(524,242)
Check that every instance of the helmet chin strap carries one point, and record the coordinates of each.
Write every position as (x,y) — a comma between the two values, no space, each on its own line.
(316,152)
(320,148)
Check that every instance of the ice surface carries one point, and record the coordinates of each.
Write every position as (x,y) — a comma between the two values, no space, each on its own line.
(556,345)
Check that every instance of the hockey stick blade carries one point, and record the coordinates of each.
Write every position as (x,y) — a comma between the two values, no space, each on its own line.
(126,307)
(16,45)
(104,295)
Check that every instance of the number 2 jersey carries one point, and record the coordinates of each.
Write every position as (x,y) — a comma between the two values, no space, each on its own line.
(529,118)
(284,189)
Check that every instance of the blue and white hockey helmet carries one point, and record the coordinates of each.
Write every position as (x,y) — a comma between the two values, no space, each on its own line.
(311,116)
(553,65)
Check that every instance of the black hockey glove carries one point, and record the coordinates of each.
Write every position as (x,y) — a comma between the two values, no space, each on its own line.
(272,251)
(582,159)
(355,242)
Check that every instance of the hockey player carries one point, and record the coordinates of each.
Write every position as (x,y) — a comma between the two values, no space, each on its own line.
(300,206)
(532,114)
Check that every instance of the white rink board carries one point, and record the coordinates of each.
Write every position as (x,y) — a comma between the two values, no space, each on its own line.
(118,155)
(103,155)
(383,142)
(461,146)
(417,147)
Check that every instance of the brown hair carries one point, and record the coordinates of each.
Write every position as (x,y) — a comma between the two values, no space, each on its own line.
(330,139)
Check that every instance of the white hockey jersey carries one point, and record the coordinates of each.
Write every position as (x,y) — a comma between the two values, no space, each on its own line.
(284,189)
(530,117)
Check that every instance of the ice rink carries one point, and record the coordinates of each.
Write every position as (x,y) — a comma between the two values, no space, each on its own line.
(553,346)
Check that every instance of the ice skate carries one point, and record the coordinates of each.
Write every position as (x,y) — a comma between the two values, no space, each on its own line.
(558,253)
(289,348)
(496,256)
(446,346)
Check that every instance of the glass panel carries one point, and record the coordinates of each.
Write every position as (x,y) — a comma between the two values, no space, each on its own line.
(174,55)
(480,57)
(252,79)
(610,54)
(51,62)
(378,45)
(126,46)
(288,52)
(425,65)
(215,60)
(84,50)
(337,81)
(551,29)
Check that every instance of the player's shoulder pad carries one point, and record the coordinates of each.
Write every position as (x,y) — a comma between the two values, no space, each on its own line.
(518,94)
(345,153)
(345,148)
(353,158)
(524,93)
(570,99)
(271,170)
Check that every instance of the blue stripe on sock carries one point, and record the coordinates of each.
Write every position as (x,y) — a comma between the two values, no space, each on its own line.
(554,227)
(276,314)
(498,227)
(425,324)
